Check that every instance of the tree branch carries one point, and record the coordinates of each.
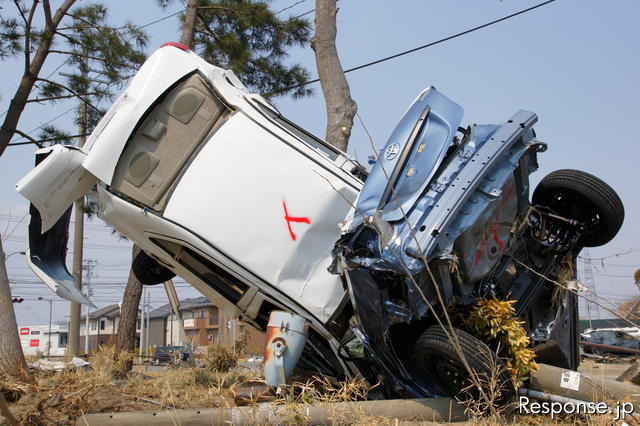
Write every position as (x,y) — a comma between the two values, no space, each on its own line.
(96,58)
(54,98)
(228,9)
(29,138)
(47,12)
(27,34)
(73,92)
(24,18)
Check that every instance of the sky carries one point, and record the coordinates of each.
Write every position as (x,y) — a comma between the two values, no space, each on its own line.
(572,62)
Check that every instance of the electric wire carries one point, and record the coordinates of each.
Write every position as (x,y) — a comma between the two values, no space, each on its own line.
(424,46)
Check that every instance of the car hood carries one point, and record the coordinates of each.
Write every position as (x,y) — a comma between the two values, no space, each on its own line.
(409,160)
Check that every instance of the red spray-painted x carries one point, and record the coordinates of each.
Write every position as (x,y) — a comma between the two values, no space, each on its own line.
(290,219)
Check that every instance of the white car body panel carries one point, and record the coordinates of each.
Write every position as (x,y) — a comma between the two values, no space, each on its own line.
(54,186)
(233,193)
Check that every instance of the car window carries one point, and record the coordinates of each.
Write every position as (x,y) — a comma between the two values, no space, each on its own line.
(164,140)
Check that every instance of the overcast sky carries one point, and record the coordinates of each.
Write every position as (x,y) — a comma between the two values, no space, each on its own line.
(573,62)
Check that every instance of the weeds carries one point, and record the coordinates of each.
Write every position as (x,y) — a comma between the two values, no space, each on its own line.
(219,358)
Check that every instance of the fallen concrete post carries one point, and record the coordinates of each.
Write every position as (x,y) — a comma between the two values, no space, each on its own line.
(431,409)
(576,385)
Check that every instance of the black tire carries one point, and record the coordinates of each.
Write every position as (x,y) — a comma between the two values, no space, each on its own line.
(439,360)
(148,271)
(575,194)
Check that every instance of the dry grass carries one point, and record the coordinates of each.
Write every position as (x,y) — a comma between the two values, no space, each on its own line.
(61,397)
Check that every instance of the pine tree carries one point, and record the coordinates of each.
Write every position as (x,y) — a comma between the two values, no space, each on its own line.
(96,58)
(249,38)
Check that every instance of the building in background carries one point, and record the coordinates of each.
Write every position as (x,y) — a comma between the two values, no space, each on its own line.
(204,325)
(36,339)
(103,327)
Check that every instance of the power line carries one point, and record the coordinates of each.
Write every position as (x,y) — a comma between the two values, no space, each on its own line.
(594,259)
(424,46)
(159,20)
(289,7)
(303,14)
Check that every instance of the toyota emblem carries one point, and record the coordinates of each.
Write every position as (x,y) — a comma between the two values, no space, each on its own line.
(392,151)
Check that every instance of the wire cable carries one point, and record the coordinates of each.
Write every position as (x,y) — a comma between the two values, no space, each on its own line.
(424,46)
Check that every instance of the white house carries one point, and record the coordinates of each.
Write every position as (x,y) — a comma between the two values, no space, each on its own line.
(36,340)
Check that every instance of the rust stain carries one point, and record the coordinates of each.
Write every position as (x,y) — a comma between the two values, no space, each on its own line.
(272,333)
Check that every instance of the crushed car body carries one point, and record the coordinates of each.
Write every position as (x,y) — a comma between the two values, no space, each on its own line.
(259,215)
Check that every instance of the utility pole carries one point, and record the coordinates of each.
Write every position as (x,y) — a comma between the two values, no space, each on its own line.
(88,266)
(73,347)
(231,326)
(590,284)
(142,325)
(50,314)
(146,338)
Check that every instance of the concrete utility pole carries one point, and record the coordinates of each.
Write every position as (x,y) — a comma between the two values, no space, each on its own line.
(146,337)
(590,284)
(142,325)
(88,266)
(50,316)
(73,347)
(231,326)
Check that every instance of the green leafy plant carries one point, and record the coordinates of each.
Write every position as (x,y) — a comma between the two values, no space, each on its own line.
(496,320)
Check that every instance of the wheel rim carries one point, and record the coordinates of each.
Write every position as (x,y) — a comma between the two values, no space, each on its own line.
(573,205)
(450,374)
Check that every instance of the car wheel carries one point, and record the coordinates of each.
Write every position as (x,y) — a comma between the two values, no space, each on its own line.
(148,271)
(439,360)
(575,194)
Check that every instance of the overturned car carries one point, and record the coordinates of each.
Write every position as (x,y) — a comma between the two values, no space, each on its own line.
(259,215)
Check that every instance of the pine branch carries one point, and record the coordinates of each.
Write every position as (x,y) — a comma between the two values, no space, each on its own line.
(228,9)
(54,98)
(29,138)
(24,18)
(73,92)
(27,36)
(47,12)
(81,55)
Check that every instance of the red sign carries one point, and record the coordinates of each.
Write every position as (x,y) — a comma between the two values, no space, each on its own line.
(24,331)
(34,343)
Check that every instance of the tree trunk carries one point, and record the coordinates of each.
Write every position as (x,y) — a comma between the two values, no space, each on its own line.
(189,23)
(340,107)
(31,73)
(126,334)
(11,356)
